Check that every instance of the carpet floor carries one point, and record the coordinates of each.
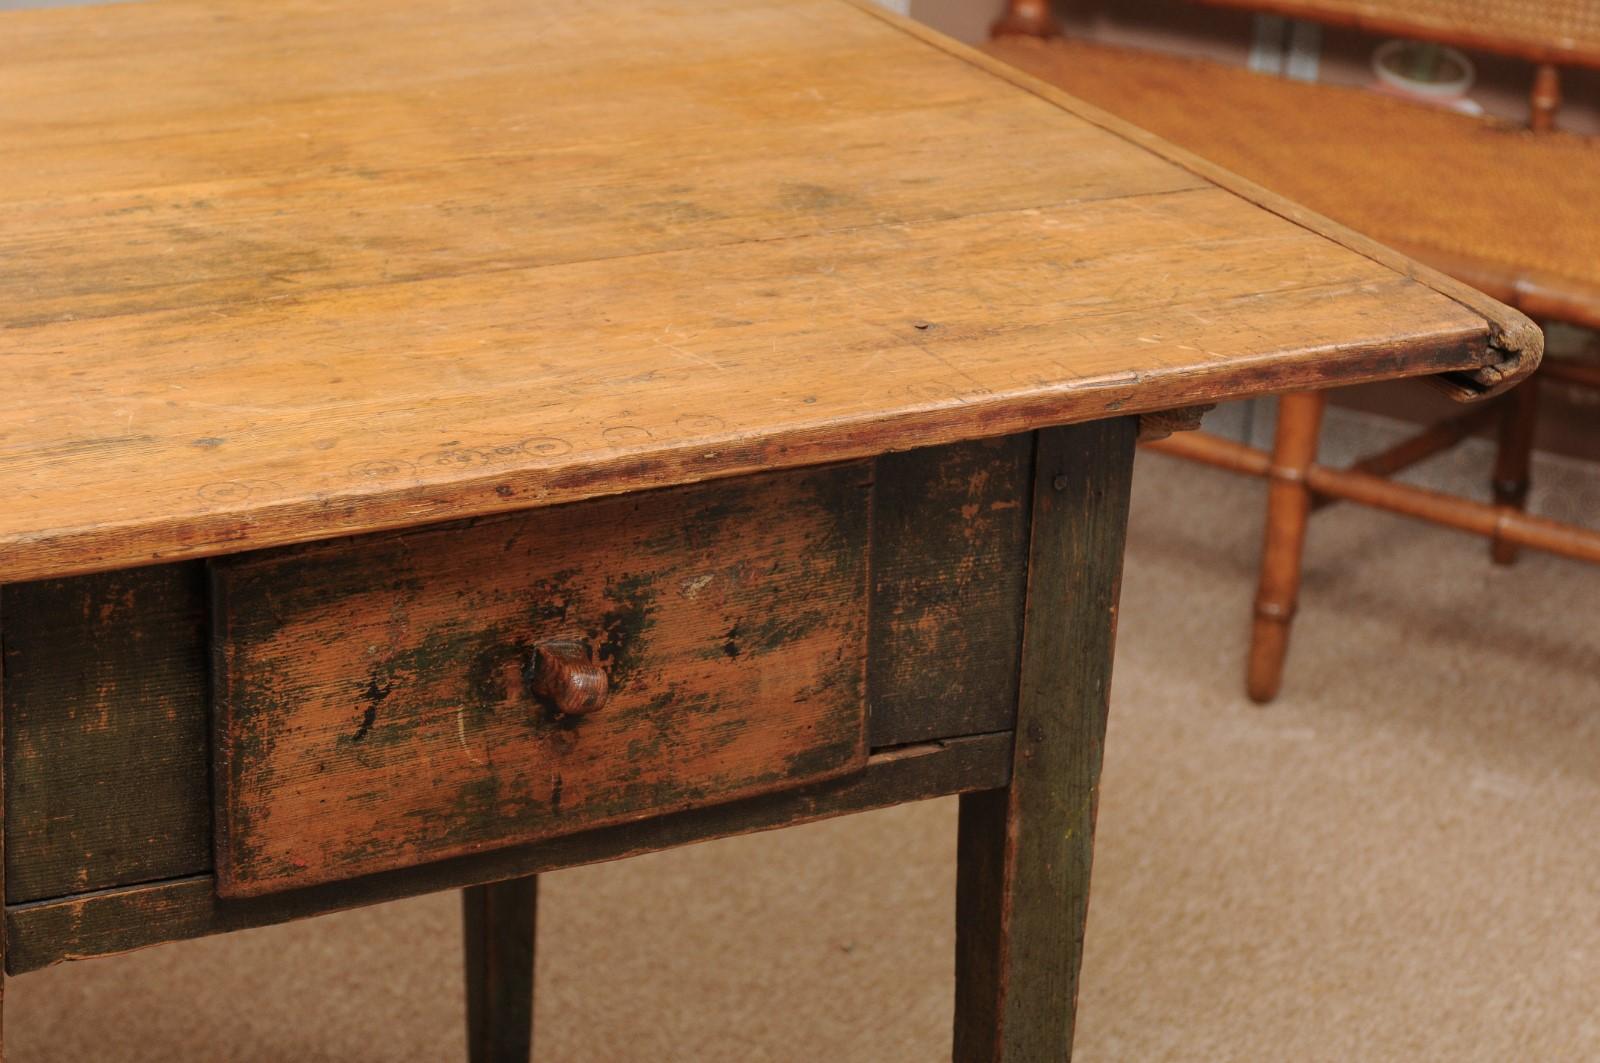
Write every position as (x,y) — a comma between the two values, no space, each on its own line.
(1396,861)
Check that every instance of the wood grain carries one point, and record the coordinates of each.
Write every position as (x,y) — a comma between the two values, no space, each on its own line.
(949,575)
(107,766)
(1516,342)
(374,705)
(111,705)
(279,273)
(1383,166)
(1022,887)
(112,921)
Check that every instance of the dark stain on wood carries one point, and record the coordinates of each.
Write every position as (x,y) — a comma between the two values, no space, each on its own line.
(945,588)
(499,923)
(1022,886)
(107,776)
(453,755)
(2,848)
(41,934)
(373,696)
(949,554)
(625,625)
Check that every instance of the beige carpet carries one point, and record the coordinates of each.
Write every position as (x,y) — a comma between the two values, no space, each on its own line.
(1396,862)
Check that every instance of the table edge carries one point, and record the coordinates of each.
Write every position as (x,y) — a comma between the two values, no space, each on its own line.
(1518,341)
(109,546)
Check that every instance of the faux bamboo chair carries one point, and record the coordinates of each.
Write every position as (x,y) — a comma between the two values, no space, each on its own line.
(1506,209)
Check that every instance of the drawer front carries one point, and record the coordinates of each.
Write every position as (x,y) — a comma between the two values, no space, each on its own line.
(397,699)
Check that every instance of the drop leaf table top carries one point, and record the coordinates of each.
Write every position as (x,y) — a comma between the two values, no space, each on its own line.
(279,272)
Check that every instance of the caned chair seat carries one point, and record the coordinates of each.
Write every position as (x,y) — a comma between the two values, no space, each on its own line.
(1507,210)
(1556,31)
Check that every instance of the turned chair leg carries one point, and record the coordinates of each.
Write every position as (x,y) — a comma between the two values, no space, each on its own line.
(1518,418)
(499,921)
(1288,508)
(1026,18)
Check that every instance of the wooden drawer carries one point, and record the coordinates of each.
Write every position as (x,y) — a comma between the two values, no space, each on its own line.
(109,715)
(382,702)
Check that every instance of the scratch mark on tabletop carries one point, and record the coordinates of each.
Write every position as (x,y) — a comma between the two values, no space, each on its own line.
(461,736)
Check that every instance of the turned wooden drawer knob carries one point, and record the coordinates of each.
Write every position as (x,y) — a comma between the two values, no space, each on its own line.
(566,676)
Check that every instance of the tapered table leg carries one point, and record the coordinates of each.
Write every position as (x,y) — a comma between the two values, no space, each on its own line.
(499,921)
(1022,887)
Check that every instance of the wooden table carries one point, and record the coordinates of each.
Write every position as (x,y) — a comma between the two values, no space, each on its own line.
(445,443)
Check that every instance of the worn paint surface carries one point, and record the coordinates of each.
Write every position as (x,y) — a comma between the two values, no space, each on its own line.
(374,708)
(106,739)
(949,572)
(112,921)
(109,758)
(1023,853)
